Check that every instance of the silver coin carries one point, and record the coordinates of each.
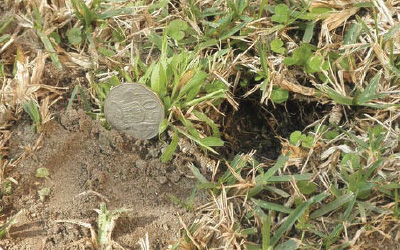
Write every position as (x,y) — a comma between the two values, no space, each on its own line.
(134,109)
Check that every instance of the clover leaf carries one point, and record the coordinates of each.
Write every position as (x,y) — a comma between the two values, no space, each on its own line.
(276,46)
(281,14)
(176,28)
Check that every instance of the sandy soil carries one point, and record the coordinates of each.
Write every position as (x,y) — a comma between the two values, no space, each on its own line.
(90,165)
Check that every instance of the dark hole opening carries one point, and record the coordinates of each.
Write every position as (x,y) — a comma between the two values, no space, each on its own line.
(256,126)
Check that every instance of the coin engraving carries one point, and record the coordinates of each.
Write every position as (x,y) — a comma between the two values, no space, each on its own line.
(134,109)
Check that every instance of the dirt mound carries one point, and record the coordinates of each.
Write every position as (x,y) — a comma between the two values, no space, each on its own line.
(90,165)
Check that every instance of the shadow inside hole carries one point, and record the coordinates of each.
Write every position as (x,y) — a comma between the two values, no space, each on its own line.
(256,126)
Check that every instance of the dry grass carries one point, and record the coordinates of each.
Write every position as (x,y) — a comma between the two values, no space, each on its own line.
(120,40)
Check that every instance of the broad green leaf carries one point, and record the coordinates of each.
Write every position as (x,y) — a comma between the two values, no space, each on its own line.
(330,135)
(314,64)
(194,83)
(351,160)
(306,187)
(289,61)
(336,204)
(206,44)
(281,14)
(176,28)
(74,36)
(215,86)
(157,40)
(295,138)
(158,79)
(300,55)
(163,126)
(276,46)
(249,231)
(303,53)
(169,152)
(279,95)
(307,142)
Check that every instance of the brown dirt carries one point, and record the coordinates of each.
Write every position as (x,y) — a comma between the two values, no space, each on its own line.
(82,156)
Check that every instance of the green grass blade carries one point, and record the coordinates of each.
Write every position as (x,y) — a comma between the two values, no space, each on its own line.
(190,127)
(208,121)
(293,216)
(369,92)
(286,178)
(45,40)
(263,179)
(196,141)
(335,96)
(232,31)
(198,175)
(5,24)
(272,206)
(337,203)
(352,34)
(31,108)
(213,95)
(169,152)
(309,32)
(194,83)
(266,233)
(290,244)
(11,221)
(73,95)
(212,141)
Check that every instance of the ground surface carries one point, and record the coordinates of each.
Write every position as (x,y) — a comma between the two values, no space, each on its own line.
(315,83)
(83,157)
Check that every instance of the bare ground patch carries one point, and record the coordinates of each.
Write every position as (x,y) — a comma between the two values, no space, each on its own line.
(89,165)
